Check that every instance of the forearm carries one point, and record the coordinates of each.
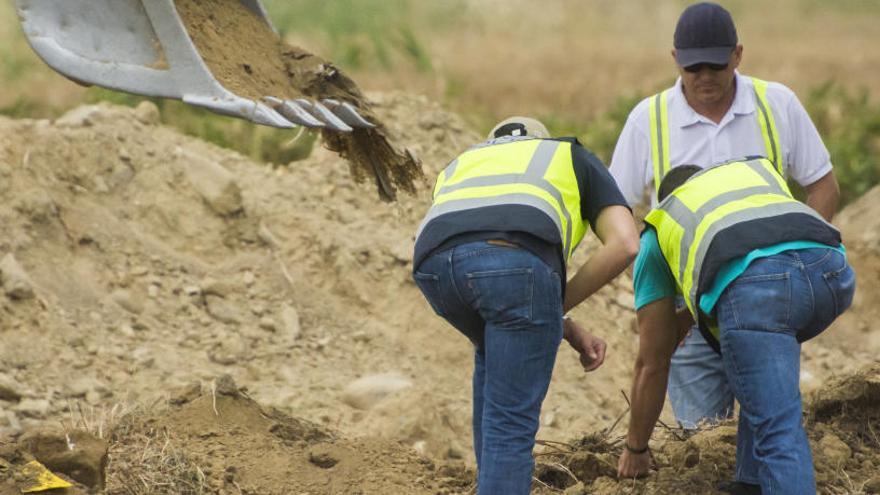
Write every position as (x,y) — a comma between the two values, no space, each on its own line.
(605,264)
(824,195)
(648,394)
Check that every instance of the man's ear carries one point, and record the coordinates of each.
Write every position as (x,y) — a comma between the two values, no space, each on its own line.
(737,55)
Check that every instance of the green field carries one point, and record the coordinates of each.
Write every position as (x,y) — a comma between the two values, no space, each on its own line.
(579,65)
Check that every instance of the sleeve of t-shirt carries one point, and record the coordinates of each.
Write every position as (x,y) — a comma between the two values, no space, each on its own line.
(652,279)
(631,159)
(597,188)
(808,159)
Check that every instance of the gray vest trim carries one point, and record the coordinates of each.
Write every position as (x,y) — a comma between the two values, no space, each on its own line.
(538,165)
(690,220)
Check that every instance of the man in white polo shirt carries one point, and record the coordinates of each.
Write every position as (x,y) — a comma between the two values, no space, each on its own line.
(711,115)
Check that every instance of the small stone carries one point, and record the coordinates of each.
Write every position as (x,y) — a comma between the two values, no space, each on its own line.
(361,336)
(153,291)
(93,397)
(322,456)
(147,113)
(290,319)
(215,287)
(835,450)
(10,390)
(33,408)
(369,390)
(14,279)
(126,301)
(248,278)
(222,310)
(215,184)
(192,290)
(127,330)
(268,324)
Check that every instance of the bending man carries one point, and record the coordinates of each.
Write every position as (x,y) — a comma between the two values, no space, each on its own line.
(761,273)
(490,258)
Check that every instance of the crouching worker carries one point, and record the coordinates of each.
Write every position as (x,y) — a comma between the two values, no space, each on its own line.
(490,258)
(761,273)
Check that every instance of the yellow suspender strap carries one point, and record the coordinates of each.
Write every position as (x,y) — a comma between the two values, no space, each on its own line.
(768,126)
(659,124)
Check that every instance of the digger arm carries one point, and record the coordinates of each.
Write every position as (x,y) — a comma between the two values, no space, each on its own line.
(142,47)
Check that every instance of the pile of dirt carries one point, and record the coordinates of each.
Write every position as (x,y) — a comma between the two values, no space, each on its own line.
(219,440)
(843,426)
(250,60)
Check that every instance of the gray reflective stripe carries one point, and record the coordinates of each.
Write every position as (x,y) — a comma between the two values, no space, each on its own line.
(541,159)
(773,151)
(767,175)
(758,212)
(538,165)
(484,181)
(504,179)
(450,170)
(660,131)
(690,220)
(503,199)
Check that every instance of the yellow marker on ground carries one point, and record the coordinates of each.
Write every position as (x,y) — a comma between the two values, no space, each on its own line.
(40,479)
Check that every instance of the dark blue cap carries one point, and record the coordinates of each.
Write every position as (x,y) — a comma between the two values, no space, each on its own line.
(704,34)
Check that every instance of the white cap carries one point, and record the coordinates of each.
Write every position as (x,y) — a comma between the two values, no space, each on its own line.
(519,126)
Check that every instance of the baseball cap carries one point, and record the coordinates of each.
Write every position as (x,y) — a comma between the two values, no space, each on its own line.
(704,34)
(519,126)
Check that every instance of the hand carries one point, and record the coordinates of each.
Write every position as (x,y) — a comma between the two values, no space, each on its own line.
(590,347)
(633,465)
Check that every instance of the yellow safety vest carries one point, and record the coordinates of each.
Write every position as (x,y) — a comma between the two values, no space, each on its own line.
(718,198)
(533,172)
(659,124)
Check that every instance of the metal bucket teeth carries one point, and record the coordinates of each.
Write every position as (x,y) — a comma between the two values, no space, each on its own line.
(332,114)
(347,112)
(324,114)
(293,112)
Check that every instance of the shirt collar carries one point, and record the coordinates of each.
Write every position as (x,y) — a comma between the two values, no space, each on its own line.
(743,102)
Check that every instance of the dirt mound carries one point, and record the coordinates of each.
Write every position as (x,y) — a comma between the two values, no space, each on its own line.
(252,61)
(220,441)
(843,426)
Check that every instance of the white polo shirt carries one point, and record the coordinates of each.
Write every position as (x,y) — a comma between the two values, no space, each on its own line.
(694,139)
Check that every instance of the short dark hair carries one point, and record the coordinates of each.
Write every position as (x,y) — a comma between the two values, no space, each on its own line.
(676,177)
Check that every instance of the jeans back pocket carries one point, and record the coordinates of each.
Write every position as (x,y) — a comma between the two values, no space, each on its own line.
(504,297)
(759,302)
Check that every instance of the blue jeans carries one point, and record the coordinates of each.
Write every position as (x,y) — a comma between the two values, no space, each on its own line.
(697,387)
(509,304)
(763,316)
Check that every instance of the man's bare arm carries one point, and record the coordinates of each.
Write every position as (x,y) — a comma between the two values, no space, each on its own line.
(658,337)
(620,244)
(824,195)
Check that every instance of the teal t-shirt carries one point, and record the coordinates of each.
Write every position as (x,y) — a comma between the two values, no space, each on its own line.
(652,279)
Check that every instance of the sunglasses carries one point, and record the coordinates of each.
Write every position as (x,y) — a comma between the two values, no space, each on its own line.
(698,67)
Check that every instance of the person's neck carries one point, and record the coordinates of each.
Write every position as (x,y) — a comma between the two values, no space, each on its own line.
(714,111)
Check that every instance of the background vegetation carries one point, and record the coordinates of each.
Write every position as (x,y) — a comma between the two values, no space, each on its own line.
(580,65)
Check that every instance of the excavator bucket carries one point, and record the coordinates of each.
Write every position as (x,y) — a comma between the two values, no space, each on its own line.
(145,47)
(223,55)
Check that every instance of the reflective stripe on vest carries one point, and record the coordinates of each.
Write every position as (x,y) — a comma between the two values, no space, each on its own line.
(531,172)
(658,115)
(717,198)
